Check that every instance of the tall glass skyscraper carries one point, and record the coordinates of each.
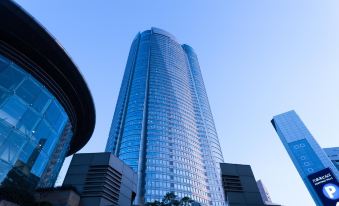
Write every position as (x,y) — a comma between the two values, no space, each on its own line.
(315,168)
(163,126)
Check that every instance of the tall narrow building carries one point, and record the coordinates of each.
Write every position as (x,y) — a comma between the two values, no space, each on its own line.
(315,168)
(163,126)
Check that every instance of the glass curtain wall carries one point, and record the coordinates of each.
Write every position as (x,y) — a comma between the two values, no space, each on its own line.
(33,125)
(162,126)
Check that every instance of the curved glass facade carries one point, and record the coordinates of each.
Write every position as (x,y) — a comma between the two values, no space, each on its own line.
(35,132)
(162,126)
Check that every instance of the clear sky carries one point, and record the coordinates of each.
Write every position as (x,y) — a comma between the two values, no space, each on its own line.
(259,58)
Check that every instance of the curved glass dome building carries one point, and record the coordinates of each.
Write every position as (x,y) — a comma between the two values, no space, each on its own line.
(163,126)
(46,109)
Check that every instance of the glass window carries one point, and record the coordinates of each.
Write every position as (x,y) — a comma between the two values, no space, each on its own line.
(28,91)
(4,169)
(28,122)
(43,131)
(5,129)
(4,63)
(30,126)
(10,77)
(27,151)
(12,110)
(42,101)
(11,148)
(54,116)
(3,95)
(40,164)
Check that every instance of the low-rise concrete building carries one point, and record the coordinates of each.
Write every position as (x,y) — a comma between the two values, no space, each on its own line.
(101,179)
(240,186)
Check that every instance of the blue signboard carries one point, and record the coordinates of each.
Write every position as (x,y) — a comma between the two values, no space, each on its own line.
(326,186)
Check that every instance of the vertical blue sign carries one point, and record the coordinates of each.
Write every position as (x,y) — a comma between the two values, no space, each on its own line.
(326,186)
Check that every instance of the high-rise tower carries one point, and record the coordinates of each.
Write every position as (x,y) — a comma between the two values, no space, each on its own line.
(315,168)
(163,126)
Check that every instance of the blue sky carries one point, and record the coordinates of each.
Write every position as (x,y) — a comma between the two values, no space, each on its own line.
(258,59)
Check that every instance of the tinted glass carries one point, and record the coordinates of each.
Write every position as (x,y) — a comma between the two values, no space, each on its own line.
(32,125)
(162,126)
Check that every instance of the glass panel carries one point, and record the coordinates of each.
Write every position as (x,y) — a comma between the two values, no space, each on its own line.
(11,148)
(27,151)
(3,95)
(10,77)
(30,129)
(40,164)
(28,91)
(42,101)
(4,63)
(43,131)
(28,122)
(54,117)
(12,110)
(60,123)
(4,169)
(51,143)
(5,129)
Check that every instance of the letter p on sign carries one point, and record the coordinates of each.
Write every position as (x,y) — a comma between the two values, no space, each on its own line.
(331,191)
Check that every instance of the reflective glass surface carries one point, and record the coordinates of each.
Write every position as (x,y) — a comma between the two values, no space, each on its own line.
(162,126)
(307,155)
(32,124)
